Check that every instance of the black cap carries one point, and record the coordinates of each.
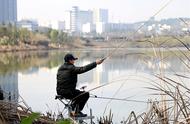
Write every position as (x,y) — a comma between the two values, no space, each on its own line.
(69,57)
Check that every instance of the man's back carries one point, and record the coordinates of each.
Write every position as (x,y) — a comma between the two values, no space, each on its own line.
(67,76)
(66,79)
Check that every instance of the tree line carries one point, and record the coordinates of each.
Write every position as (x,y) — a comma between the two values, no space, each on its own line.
(12,35)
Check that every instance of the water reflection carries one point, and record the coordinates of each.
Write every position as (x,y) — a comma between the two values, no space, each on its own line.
(33,76)
(28,61)
(9,87)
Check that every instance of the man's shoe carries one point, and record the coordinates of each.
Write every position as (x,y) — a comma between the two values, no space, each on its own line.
(79,114)
(82,114)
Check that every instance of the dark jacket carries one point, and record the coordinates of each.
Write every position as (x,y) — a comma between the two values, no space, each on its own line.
(67,76)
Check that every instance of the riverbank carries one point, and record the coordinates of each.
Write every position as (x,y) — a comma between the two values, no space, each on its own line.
(96,44)
(72,45)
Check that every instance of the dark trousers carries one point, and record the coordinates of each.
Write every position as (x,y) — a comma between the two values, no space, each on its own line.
(79,98)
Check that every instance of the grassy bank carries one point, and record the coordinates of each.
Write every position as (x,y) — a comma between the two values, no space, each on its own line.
(21,39)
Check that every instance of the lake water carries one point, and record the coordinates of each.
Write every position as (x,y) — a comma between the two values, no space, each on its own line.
(126,74)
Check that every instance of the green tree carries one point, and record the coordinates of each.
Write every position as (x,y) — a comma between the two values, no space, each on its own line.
(24,35)
(3,31)
(62,37)
(14,35)
(54,35)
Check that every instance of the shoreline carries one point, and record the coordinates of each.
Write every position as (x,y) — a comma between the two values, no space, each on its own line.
(82,46)
(6,49)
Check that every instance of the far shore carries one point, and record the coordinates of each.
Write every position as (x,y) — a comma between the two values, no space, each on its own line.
(82,46)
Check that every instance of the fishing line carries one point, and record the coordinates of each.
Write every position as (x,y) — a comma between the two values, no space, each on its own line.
(109,55)
(109,83)
(122,84)
(113,96)
(112,82)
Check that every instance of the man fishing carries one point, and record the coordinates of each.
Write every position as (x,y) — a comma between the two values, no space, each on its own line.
(67,80)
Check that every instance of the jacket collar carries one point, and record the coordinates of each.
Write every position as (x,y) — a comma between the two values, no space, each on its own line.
(67,63)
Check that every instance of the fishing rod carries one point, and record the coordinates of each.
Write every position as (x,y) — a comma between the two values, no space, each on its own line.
(121,44)
(111,98)
(119,99)
(124,99)
(141,26)
(112,82)
(182,20)
(115,81)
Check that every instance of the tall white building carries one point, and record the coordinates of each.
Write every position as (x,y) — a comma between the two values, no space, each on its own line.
(100,15)
(86,28)
(8,11)
(100,27)
(85,17)
(67,20)
(78,18)
(100,19)
(74,19)
(85,21)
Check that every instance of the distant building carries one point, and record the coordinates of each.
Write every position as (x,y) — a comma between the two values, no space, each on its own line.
(58,25)
(100,27)
(86,28)
(100,19)
(84,17)
(31,25)
(74,19)
(118,27)
(45,23)
(78,21)
(54,24)
(78,18)
(165,27)
(61,25)
(100,15)
(8,11)
(67,20)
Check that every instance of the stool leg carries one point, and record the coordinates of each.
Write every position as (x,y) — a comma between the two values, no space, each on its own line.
(69,110)
(91,122)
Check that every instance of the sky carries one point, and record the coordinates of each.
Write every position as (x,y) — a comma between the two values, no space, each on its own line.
(127,11)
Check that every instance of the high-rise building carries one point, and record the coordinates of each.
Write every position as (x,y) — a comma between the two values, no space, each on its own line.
(86,21)
(74,19)
(79,18)
(100,15)
(84,18)
(100,19)
(67,20)
(8,11)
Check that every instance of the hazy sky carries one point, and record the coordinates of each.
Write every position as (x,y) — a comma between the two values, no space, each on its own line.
(119,10)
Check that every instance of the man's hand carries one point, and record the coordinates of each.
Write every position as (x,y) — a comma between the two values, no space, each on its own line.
(99,61)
